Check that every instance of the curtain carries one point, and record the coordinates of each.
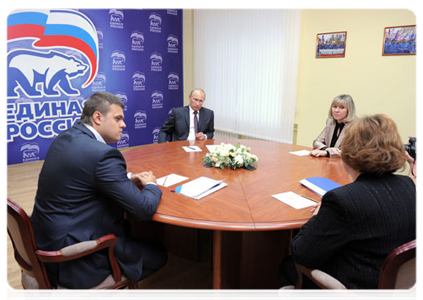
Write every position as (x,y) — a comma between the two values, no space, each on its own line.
(247,63)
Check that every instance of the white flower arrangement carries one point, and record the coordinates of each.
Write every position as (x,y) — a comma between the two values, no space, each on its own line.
(229,156)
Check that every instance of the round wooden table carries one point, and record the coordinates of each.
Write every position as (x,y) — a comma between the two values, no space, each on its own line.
(246,204)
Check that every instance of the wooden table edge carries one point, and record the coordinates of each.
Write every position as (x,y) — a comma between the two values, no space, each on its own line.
(285,225)
(228,226)
(204,224)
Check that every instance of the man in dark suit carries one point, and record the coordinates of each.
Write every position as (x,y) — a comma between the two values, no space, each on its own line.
(83,192)
(181,124)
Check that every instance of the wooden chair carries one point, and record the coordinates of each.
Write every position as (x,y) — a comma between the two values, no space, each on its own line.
(31,260)
(398,271)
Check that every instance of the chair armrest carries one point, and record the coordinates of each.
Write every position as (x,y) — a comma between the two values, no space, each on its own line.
(326,281)
(82,249)
(77,250)
(322,279)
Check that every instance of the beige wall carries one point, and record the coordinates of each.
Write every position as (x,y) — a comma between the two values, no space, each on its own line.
(378,84)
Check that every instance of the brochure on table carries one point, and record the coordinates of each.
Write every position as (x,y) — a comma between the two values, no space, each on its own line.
(200,187)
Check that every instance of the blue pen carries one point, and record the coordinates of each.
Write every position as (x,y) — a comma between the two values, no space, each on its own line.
(216,185)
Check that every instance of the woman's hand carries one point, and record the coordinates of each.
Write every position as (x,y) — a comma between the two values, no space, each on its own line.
(315,209)
(318,153)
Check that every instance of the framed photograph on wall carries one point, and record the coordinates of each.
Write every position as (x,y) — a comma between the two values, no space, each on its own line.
(331,44)
(399,40)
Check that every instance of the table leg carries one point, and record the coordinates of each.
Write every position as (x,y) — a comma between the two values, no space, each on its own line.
(226,264)
(261,254)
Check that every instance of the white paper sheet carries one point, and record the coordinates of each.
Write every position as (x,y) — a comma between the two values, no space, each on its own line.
(301,152)
(192,148)
(294,200)
(211,148)
(170,179)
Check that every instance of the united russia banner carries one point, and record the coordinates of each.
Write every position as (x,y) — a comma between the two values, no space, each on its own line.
(57,58)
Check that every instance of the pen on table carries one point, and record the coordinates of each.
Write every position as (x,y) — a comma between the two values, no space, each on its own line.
(192,148)
(216,185)
(164,182)
(310,199)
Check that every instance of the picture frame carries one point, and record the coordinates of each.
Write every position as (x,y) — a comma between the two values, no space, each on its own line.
(331,44)
(399,40)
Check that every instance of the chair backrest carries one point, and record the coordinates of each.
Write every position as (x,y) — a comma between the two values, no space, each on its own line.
(20,231)
(398,270)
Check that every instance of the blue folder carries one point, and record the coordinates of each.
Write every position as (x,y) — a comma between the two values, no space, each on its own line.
(319,185)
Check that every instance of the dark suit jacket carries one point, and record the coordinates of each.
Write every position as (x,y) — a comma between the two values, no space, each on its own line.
(83,191)
(177,125)
(357,226)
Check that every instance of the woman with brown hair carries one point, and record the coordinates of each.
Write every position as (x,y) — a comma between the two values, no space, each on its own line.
(359,224)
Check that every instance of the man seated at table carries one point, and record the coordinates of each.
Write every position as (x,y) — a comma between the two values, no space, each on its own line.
(83,191)
(192,122)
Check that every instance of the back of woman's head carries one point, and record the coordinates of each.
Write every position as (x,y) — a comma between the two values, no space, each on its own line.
(373,145)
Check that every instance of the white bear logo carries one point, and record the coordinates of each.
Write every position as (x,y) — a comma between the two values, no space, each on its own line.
(39,74)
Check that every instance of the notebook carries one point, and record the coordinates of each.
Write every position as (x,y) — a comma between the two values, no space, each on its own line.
(200,187)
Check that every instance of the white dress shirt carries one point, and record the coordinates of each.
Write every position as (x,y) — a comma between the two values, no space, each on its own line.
(191,135)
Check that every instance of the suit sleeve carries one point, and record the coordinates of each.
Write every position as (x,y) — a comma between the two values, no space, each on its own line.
(113,183)
(324,235)
(210,127)
(167,128)
(321,141)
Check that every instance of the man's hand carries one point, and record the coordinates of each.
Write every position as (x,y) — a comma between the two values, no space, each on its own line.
(143,178)
(200,136)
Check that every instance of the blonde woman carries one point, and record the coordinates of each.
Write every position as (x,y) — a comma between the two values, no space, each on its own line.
(341,113)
